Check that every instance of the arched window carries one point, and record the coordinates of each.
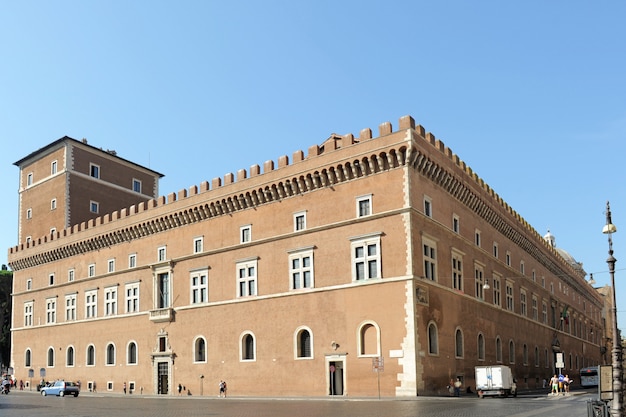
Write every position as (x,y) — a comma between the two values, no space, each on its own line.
(199,348)
(91,355)
(303,344)
(433,339)
(27,358)
(110,354)
(481,347)
(511,352)
(525,354)
(50,357)
(498,349)
(458,343)
(368,339)
(536,356)
(248,347)
(69,357)
(131,354)
(547,356)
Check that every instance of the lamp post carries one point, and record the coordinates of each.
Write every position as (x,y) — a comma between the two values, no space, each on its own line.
(618,395)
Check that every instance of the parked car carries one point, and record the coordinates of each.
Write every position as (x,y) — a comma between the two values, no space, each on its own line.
(61,388)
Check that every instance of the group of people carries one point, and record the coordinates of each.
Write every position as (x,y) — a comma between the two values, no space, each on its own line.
(223,389)
(559,384)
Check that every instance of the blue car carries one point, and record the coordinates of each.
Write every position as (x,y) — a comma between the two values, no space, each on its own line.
(61,389)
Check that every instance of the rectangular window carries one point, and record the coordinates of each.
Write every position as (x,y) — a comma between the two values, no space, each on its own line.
(508,259)
(477,238)
(70,307)
(457,271)
(51,279)
(136,185)
(94,170)
(544,312)
(94,207)
(197,244)
(366,258)
(299,221)
(53,204)
(161,254)
(132,297)
(199,287)
(29,179)
(163,287)
(245,233)
(479,282)
(428,207)
(53,167)
(364,206)
(70,275)
(496,251)
(301,269)
(497,291)
(456,224)
(522,303)
(91,304)
(51,310)
(29,284)
(509,297)
(111,265)
(535,307)
(91,270)
(29,213)
(246,278)
(110,301)
(429,250)
(132,260)
(28,313)
(522,268)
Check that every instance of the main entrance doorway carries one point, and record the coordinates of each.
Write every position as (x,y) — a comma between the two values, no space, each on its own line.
(163,378)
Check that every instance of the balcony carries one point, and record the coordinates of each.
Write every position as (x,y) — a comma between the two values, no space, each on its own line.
(162,314)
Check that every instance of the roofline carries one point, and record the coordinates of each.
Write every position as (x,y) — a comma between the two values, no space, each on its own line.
(67,138)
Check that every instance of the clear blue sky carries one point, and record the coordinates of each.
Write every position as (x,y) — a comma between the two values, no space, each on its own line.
(530,94)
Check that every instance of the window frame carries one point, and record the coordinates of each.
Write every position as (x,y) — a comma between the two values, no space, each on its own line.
(94,170)
(245,234)
(364,243)
(301,270)
(91,304)
(247,281)
(71,307)
(110,301)
(131,299)
(299,221)
(199,291)
(364,206)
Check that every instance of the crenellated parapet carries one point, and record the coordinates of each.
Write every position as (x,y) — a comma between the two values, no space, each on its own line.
(303,174)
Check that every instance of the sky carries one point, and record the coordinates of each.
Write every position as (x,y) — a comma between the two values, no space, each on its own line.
(530,94)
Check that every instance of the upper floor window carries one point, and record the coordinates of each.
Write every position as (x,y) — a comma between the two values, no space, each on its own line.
(163,289)
(132,297)
(91,270)
(70,307)
(246,278)
(509,296)
(94,170)
(110,301)
(299,221)
(136,185)
(245,233)
(479,282)
(457,271)
(523,301)
(111,265)
(301,269)
(131,354)
(28,313)
(496,291)
(51,279)
(29,284)
(428,206)
(199,286)
(51,310)
(29,213)
(197,244)
(91,304)
(522,268)
(132,260)
(366,260)
(456,224)
(430,259)
(53,167)
(94,207)
(535,307)
(364,205)
(477,238)
(508,258)
(496,251)
(161,254)
(53,204)
(29,179)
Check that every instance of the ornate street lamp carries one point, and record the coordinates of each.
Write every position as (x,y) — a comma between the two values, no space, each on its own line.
(618,395)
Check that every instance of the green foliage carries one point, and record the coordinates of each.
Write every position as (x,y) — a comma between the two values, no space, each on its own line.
(6,286)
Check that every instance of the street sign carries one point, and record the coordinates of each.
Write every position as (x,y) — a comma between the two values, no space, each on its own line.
(378,364)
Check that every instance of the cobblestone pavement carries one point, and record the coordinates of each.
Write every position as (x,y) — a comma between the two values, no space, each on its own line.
(24,404)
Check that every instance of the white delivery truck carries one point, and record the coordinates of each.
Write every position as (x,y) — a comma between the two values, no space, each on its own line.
(496,380)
